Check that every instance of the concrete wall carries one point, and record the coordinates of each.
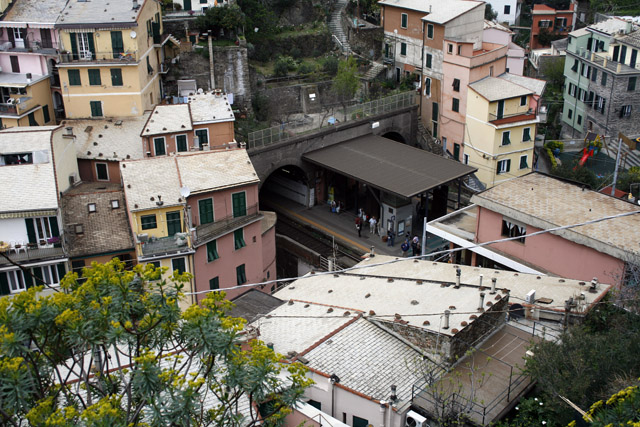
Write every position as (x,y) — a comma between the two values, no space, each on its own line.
(64,159)
(514,12)
(88,172)
(231,68)
(468,27)
(367,41)
(551,252)
(269,253)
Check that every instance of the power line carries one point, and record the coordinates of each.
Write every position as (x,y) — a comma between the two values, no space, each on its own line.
(478,245)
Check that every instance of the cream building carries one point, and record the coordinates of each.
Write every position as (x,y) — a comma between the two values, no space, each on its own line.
(111,57)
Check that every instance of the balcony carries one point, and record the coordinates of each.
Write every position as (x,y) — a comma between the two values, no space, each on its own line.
(32,254)
(512,118)
(225,225)
(17,106)
(46,47)
(128,57)
(155,247)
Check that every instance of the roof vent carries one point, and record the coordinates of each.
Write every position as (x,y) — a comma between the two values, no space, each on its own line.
(136,6)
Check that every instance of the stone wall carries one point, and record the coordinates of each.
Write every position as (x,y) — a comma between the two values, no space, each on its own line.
(367,41)
(294,99)
(303,45)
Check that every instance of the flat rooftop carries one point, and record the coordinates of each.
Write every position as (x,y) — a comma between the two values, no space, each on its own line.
(171,118)
(546,202)
(44,13)
(20,79)
(210,108)
(98,14)
(497,88)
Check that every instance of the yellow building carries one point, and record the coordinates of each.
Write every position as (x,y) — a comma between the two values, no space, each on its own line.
(111,57)
(502,118)
(25,100)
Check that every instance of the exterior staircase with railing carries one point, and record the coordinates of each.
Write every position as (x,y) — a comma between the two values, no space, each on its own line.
(335,26)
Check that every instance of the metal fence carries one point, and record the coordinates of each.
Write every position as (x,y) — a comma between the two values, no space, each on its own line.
(311,123)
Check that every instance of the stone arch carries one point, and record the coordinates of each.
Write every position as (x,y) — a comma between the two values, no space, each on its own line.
(395,136)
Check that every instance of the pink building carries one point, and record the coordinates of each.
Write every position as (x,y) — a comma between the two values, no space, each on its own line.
(535,202)
(499,34)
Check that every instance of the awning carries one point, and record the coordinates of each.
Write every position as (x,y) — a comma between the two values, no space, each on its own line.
(27,214)
(388,165)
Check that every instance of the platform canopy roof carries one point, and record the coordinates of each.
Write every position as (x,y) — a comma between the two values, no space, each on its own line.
(388,165)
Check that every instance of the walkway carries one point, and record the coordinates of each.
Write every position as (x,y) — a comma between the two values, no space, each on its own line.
(342,226)
(335,25)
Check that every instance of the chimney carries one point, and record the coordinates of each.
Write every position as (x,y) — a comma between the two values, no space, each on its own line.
(68,130)
(29,76)
(594,285)
(458,273)
(135,5)
(480,282)
(394,395)
(493,285)
(481,302)
(447,313)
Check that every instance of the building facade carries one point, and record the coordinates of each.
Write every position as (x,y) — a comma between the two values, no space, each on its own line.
(550,24)
(508,10)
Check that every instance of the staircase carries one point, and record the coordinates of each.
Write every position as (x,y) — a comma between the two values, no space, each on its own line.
(374,71)
(427,141)
(335,26)
(628,157)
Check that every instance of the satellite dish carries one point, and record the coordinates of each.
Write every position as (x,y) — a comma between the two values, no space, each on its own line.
(133,34)
(185,191)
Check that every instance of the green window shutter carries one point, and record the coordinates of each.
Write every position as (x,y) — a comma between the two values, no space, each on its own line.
(159,146)
(181,143)
(74,45)
(116,44)
(94,77)
(429,60)
(523,162)
(38,276)
(92,47)
(239,204)
(212,251)
(238,237)
(53,222)
(403,48)
(61,270)
(404,20)
(205,208)
(96,108)
(28,279)
(430,31)
(31,230)
(4,284)
(508,165)
(214,283)
(148,222)
(241,275)
(45,113)
(74,77)
(116,77)
(32,119)
(203,137)
(179,264)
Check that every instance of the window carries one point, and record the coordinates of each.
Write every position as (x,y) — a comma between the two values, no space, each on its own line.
(491,70)
(102,172)
(74,77)
(625,111)
(404,20)
(149,67)
(179,264)
(212,251)
(523,100)
(526,134)
(632,84)
(504,166)
(42,229)
(17,159)
(561,23)
(507,10)
(594,74)
(15,64)
(238,238)
(574,67)
(600,104)
(82,45)
(572,89)
(510,229)
(456,105)
(148,222)
(181,143)
(430,31)
(434,112)
(506,137)
(570,114)
(96,108)
(449,48)
(604,79)
(585,70)
(159,146)
(590,99)
(115,204)
(403,49)
(32,119)
(523,162)
(459,49)
(456,85)
(465,159)
(205,209)
(117,47)
(94,77)
(435,130)
(14,282)
(214,283)
(428,60)
(50,274)
(544,23)
(427,86)
(174,223)
(116,77)
(579,119)
(241,275)
(360,422)
(45,114)
(203,137)
(239,204)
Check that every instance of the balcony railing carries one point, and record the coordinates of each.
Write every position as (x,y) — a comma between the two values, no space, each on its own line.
(26,45)
(154,246)
(22,104)
(86,56)
(512,118)
(30,254)
(224,225)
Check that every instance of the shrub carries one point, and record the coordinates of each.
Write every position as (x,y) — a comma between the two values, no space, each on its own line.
(552,145)
(260,104)
(331,65)
(306,68)
(296,52)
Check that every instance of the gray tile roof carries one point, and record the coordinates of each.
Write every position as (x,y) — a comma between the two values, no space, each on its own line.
(369,360)
(209,108)
(99,14)
(495,89)
(544,202)
(42,12)
(253,304)
(632,39)
(29,186)
(535,85)
(106,230)
(168,119)
(611,26)
(216,170)
(145,180)
(438,12)
(108,139)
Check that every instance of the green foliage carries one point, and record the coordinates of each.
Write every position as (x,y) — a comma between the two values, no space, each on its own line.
(581,365)
(621,409)
(489,13)
(283,65)
(261,109)
(529,412)
(227,18)
(307,68)
(572,171)
(117,350)
(628,177)
(346,82)
(260,16)
(330,65)
(552,145)
(545,37)
(553,71)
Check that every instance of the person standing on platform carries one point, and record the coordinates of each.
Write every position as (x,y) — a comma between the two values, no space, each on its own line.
(359,225)
(390,236)
(415,246)
(373,225)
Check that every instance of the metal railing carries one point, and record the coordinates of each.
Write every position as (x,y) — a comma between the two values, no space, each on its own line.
(356,112)
(223,225)
(31,253)
(27,45)
(164,245)
(21,105)
(524,114)
(106,56)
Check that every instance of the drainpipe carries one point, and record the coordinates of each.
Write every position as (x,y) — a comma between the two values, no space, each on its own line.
(213,78)
(383,412)
(333,380)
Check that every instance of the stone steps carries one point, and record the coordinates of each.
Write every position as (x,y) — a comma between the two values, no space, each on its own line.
(335,25)
(374,71)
